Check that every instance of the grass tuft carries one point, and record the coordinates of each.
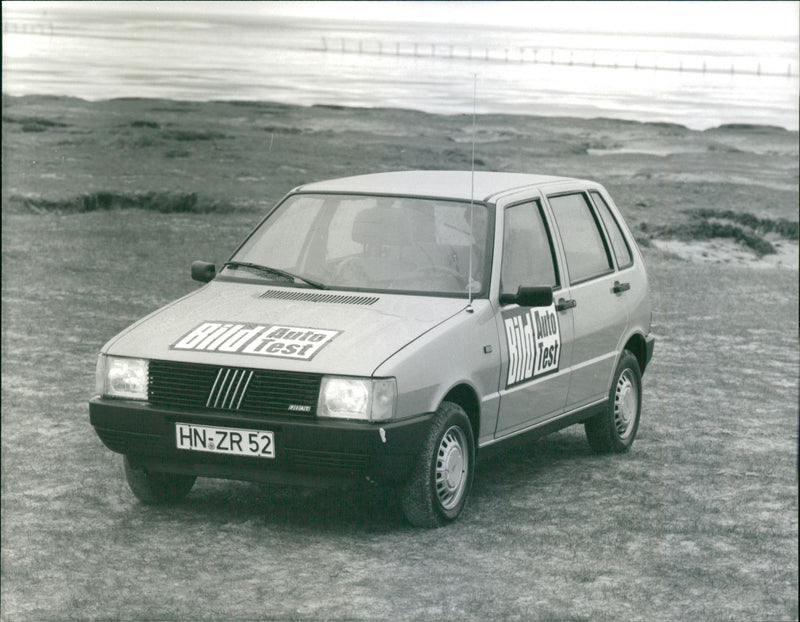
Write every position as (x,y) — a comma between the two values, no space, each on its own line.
(783,227)
(148,124)
(745,228)
(191,135)
(28,122)
(275,129)
(163,202)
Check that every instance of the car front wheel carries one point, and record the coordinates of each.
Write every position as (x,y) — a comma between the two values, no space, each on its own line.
(615,428)
(153,488)
(442,478)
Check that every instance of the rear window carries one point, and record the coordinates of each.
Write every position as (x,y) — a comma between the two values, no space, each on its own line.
(587,255)
(618,243)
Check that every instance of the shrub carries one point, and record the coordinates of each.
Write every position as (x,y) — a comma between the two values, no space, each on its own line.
(164,202)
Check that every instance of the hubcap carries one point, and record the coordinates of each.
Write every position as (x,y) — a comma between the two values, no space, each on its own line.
(452,463)
(626,404)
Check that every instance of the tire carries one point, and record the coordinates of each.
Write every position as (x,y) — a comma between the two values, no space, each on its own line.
(441,480)
(614,430)
(152,488)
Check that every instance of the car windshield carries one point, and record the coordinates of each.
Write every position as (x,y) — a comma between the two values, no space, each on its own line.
(372,242)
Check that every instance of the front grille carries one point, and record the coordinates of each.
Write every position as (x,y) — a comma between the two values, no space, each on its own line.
(230,387)
(252,391)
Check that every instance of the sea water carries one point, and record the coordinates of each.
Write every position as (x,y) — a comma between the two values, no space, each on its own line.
(692,80)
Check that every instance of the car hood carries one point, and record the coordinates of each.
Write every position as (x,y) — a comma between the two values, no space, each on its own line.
(249,325)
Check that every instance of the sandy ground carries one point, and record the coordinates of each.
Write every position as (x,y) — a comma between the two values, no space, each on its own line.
(698,522)
(725,251)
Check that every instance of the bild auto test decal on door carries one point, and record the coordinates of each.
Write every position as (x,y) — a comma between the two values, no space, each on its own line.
(534,343)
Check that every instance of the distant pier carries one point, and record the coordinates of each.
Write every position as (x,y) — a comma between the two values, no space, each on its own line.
(548,56)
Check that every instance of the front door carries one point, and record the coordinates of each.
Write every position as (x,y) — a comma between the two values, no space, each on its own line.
(535,342)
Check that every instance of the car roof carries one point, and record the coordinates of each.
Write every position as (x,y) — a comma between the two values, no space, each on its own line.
(434,184)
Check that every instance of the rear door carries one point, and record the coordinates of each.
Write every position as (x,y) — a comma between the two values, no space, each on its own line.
(535,342)
(594,296)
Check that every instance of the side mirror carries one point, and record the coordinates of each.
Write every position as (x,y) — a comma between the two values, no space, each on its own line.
(203,271)
(529,297)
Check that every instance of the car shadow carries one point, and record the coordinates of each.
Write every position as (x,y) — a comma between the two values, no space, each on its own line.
(361,507)
(523,456)
(365,507)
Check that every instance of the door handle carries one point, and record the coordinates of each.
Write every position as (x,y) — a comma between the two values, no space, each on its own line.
(563,305)
(620,287)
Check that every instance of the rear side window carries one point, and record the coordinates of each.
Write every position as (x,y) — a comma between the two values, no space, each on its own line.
(587,255)
(621,249)
(527,249)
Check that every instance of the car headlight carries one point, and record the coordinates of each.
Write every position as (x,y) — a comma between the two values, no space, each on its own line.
(368,399)
(122,377)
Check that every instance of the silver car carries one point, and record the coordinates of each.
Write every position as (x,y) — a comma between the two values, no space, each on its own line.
(387,327)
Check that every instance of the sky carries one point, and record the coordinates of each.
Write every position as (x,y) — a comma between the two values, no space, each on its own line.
(747,18)
(738,18)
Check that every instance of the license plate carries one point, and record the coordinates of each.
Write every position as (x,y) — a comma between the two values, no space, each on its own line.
(234,441)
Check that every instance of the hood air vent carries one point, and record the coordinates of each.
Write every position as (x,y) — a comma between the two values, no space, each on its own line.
(341,299)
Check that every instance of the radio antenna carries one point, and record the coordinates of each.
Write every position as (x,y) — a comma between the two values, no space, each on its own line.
(472,188)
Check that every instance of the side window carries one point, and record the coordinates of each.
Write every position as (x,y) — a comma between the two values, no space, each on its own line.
(587,255)
(527,249)
(621,249)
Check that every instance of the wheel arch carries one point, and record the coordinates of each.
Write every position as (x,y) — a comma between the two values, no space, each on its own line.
(466,397)
(637,346)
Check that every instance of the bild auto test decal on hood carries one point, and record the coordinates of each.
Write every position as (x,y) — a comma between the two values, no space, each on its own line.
(534,343)
(291,342)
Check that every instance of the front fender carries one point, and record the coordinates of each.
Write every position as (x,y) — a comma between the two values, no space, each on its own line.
(464,350)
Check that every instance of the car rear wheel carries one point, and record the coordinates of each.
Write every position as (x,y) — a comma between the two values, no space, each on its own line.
(442,478)
(153,488)
(615,429)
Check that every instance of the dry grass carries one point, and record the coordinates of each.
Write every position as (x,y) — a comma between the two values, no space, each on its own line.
(698,522)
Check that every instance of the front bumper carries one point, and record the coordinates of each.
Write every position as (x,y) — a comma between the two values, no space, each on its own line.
(308,451)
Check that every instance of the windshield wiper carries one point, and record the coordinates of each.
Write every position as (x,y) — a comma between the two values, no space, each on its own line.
(275,271)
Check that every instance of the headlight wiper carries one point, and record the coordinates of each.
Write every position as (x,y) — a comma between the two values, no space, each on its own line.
(275,271)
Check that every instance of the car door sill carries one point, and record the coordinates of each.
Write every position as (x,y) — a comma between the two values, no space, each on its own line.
(542,428)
